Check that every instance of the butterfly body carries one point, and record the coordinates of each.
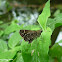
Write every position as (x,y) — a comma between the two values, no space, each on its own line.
(30,35)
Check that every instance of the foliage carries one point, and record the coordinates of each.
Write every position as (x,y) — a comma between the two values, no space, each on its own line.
(13,48)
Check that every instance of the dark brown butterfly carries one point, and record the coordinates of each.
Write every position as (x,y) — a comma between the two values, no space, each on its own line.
(30,35)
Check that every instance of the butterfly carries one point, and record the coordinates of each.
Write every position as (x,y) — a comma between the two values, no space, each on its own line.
(30,35)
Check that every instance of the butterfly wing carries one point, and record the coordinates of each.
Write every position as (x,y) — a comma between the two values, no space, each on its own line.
(30,35)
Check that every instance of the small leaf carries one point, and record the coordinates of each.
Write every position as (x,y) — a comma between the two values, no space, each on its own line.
(14,39)
(13,27)
(4,26)
(51,23)
(3,46)
(56,22)
(1,32)
(9,54)
(42,19)
(19,58)
(57,12)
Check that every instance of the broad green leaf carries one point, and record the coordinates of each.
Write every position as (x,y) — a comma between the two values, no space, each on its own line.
(14,39)
(37,51)
(3,46)
(11,28)
(42,19)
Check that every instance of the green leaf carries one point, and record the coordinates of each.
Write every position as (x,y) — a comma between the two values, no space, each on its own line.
(31,27)
(37,51)
(3,46)
(14,39)
(57,12)
(54,23)
(17,48)
(9,54)
(19,58)
(4,60)
(58,20)
(1,32)
(42,19)
(4,37)
(13,27)
(56,52)
(51,23)
(3,26)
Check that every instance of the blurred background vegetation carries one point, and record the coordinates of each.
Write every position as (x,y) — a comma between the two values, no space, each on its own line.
(26,12)
(23,14)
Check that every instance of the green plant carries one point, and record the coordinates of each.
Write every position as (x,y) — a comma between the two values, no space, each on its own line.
(38,50)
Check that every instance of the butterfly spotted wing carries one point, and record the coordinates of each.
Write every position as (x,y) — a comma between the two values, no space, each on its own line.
(30,35)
